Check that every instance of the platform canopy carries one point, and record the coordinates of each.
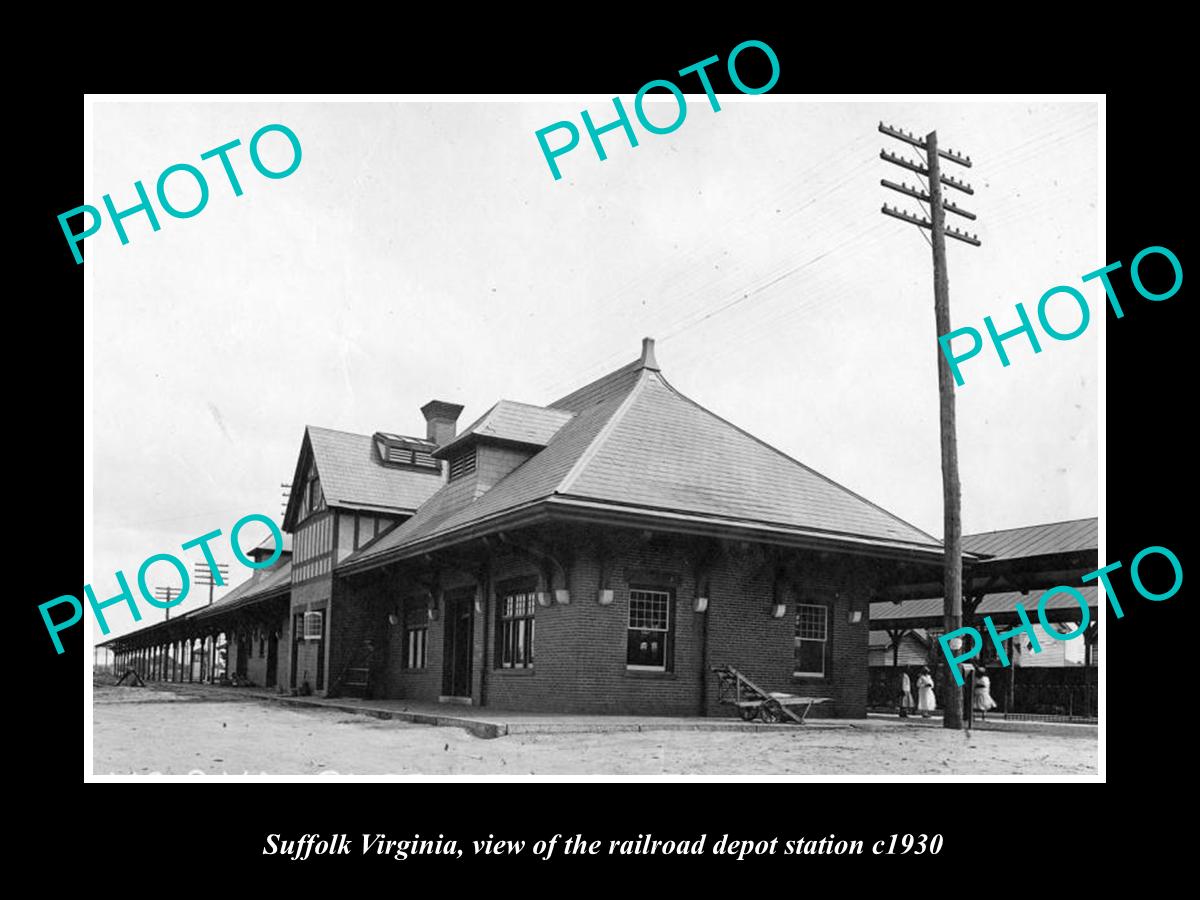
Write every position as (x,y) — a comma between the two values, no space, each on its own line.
(1003,568)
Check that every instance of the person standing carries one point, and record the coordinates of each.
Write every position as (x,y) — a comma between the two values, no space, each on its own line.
(968,694)
(906,697)
(983,693)
(926,702)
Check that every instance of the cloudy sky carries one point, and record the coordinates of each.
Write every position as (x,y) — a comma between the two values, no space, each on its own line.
(423,250)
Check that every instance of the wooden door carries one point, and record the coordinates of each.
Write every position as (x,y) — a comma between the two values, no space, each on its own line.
(456,658)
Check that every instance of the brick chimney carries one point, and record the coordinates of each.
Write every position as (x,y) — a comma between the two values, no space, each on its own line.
(441,421)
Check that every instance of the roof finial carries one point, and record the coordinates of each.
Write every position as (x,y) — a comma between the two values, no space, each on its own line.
(648,360)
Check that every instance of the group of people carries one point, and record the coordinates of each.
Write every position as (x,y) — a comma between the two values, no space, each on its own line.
(926,701)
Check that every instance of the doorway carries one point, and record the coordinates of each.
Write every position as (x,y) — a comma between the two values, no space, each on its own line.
(243,655)
(457,646)
(272,659)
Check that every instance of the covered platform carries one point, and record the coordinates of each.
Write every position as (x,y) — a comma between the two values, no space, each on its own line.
(195,647)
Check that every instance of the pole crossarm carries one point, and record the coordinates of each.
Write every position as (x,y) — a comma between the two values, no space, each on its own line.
(906,163)
(909,138)
(906,216)
(918,194)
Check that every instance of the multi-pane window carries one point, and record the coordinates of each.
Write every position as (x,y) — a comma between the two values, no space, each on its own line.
(812,637)
(414,646)
(649,630)
(314,626)
(516,629)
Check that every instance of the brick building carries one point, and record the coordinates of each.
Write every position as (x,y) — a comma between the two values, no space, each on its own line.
(597,554)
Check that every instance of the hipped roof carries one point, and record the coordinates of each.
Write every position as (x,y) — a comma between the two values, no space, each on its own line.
(637,445)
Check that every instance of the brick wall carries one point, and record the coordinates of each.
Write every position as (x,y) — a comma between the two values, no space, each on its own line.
(415,684)
(284,666)
(359,609)
(311,596)
(581,647)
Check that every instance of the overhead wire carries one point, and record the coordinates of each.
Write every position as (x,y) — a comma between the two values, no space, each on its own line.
(762,288)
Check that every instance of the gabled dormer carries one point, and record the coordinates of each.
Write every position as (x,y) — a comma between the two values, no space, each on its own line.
(349,489)
(498,442)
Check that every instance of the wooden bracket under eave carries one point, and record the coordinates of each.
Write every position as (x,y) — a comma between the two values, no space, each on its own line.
(547,560)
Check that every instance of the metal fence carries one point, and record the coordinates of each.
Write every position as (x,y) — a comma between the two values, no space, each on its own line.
(1068,691)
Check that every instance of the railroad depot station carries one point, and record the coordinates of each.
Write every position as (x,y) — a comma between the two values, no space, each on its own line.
(599,554)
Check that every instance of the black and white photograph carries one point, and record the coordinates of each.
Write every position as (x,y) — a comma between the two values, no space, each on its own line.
(685,434)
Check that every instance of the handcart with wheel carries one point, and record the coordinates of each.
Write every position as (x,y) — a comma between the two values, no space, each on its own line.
(752,702)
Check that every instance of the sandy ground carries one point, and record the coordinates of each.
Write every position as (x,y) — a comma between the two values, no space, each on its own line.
(154,732)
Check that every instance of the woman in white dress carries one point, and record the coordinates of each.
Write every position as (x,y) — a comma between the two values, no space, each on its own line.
(983,693)
(926,702)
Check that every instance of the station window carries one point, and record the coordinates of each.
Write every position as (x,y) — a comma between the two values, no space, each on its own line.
(812,637)
(517,610)
(650,630)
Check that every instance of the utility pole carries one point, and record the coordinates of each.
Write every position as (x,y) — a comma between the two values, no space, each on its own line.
(165,595)
(951,488)
(203,575)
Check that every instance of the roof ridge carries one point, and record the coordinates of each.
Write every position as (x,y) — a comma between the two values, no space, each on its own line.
(1036,525)
(532,406)
(610,376)
(604,433)
(797,462)
(341,431)
(487,412)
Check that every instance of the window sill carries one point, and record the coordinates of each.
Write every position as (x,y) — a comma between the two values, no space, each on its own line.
(517,672)
(649,673)
(809,679)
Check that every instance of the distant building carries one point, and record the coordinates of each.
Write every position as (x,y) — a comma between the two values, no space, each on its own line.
(1029,559)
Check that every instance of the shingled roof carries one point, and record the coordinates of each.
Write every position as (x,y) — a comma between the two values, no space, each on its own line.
(264,583)
(353,476)
(511,423)
(637,445)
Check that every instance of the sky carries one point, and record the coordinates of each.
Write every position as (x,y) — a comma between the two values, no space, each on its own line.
(423,250)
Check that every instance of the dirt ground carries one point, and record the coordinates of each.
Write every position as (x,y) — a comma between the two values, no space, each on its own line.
(143,732)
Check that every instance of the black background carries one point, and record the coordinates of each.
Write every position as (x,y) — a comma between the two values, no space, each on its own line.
(1033,833)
